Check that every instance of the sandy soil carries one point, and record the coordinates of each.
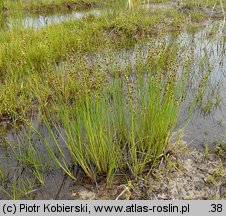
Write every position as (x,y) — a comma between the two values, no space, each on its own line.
(194,177)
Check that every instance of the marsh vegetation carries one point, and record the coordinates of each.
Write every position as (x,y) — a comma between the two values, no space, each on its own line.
(105,95)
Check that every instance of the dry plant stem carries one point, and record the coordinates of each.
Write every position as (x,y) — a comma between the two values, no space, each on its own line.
(223,11)
(126,189)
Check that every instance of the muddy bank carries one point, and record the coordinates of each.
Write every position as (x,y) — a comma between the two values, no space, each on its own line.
(182,174)
(193,177)
(197,177)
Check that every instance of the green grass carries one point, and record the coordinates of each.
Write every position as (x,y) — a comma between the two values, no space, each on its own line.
(50,6)
(29,158)
(121,128)
(26,54)
(115,118)
(2,4)
(20,188)
(204,3)
(117,126)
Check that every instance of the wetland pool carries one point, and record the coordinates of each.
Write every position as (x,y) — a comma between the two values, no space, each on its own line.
(207,44)
(41,21)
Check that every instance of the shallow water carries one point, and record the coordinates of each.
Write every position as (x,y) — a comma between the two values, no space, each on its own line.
(41,21)
(208,129)
(205,45)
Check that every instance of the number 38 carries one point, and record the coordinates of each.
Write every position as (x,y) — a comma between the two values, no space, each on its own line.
(216,208)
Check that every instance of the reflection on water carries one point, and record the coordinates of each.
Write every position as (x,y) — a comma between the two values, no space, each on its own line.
(208,46)
(41,21)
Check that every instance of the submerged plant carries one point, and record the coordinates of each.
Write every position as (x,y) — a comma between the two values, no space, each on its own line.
(29,158)
(20,188)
